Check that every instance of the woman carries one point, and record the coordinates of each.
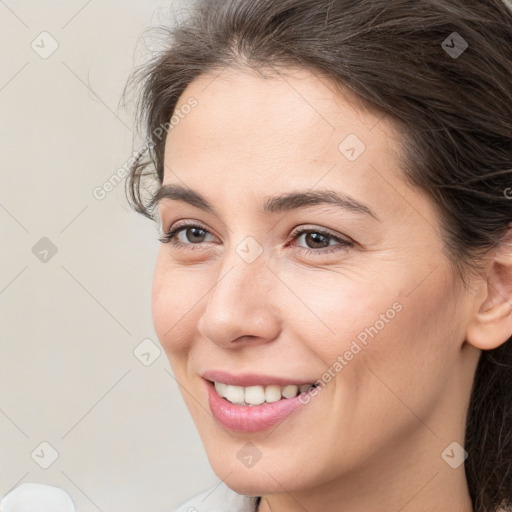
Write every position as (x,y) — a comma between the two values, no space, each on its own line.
(334,286)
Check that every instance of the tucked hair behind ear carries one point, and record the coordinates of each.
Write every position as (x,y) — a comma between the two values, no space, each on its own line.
(454,109)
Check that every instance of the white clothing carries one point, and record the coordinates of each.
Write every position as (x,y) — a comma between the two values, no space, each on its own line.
(219,498)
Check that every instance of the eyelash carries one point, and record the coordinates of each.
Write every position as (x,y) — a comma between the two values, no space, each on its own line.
(170,238)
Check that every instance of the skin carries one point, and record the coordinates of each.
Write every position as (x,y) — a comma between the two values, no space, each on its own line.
(372,438)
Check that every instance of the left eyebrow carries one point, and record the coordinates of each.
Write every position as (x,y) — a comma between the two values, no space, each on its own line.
(273,204)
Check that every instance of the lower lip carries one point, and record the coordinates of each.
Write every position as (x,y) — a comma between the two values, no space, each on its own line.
(244,418)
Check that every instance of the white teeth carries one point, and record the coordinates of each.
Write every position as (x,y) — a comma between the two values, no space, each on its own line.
(272,393)
(221,388)
(254,395)
(235,393)
(257,395)
(289,391)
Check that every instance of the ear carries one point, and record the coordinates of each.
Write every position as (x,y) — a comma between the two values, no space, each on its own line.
(491,325)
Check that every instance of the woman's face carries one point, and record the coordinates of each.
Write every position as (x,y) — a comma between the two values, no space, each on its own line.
(364,302)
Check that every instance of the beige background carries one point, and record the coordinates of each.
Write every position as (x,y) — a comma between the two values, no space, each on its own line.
(69,324)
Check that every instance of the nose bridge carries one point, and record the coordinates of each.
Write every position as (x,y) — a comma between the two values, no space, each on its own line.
(244,271)
(240,301)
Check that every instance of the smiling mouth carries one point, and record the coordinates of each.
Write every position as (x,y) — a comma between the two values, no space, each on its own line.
(258,395)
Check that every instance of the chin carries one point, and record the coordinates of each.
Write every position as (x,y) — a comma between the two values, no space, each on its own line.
(259,479)
(247,485)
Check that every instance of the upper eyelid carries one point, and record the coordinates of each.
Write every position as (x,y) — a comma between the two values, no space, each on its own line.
(313,228)
(188,224)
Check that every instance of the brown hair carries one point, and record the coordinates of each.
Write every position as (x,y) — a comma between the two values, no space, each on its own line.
(442,70)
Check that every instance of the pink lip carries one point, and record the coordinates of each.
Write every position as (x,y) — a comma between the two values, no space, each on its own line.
(243,418)
(251,379)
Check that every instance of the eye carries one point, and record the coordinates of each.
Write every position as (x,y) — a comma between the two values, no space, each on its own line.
(192,233)
(316,236)
(196,234)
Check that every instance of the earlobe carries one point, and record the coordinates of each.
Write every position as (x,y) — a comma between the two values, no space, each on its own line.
(491,325)
(491,328)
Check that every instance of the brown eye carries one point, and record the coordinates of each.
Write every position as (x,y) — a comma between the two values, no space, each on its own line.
(317,241)
(194,235)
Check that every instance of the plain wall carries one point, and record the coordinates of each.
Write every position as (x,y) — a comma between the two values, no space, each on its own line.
(70,321)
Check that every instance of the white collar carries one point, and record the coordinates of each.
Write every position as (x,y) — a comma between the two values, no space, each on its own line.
(219,498)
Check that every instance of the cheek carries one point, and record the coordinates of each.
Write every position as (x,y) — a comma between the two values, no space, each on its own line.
(397,354)
(339,310)
(407,364)
(174,304)
(356,326)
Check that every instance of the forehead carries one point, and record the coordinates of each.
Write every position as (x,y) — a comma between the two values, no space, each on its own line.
(277,132)
(279,109)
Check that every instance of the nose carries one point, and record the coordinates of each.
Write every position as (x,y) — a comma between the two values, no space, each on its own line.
(240,306)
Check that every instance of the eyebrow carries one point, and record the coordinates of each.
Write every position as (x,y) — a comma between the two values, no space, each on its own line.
(275,204)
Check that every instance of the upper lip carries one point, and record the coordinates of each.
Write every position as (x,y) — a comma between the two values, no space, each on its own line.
(251,379)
